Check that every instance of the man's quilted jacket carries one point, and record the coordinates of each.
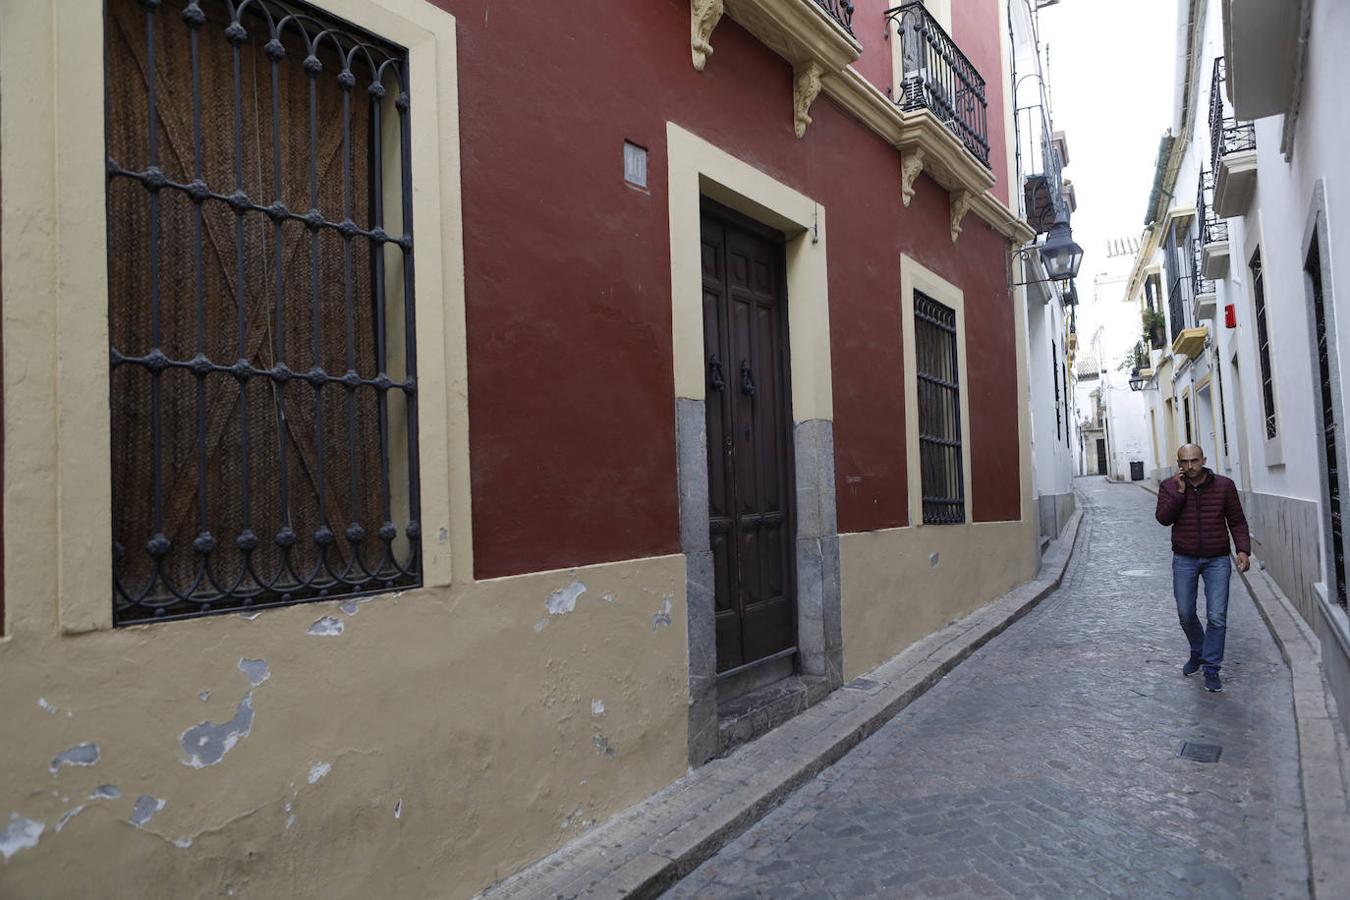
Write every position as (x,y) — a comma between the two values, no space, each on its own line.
(1202,516)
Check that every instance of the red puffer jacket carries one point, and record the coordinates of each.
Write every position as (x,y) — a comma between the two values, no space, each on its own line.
(1202,516)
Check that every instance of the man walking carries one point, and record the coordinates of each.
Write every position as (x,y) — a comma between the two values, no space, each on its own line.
(1203,509)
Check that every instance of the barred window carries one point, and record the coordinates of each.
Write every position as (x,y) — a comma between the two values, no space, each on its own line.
(939,412)
(260,269)
(1263,347)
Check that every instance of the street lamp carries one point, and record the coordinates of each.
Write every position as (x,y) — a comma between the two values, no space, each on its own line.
(1060,254)
(1137,382)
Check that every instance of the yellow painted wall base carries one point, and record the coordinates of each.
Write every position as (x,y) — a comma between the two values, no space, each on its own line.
(896,592)
(443,740)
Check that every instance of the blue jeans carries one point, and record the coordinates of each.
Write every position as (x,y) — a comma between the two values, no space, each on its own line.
(1206,644)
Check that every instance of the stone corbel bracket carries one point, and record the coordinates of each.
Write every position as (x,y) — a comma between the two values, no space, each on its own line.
(911,164)
(703,18)
(805,89)
(800,31)
(961,202)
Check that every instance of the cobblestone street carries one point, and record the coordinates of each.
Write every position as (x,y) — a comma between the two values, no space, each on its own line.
(1048,763)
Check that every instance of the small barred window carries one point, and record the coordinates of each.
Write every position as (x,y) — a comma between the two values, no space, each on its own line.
(939,411)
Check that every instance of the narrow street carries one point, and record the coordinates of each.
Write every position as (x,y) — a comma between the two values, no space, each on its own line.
(1048,763)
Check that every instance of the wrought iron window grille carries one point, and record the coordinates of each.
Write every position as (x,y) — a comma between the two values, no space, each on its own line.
(1226,134)
(940,78)
(839,10)
(261,315)
(1263,347)
(939,411)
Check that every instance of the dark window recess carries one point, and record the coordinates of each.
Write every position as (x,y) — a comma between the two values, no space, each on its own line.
(1223,413)
(260,269)
(1330,457)
(1186,415)
(944,500)
(1263,346)
(1054,376)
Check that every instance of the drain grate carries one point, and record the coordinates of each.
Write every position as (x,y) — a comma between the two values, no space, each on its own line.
(1205,753)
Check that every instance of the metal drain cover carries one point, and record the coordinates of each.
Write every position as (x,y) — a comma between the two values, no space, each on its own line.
(1205,753)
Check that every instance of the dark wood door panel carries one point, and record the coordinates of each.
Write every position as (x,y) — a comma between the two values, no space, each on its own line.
(750,478)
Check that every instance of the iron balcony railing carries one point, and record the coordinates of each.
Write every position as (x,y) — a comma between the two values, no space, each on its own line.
(1213,230)
(1176,307)
(1043,184)
(1226,134)
(839,10)
(938,77)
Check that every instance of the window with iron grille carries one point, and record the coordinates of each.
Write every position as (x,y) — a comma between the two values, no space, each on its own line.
(1186,415)
(1263,346)
(1323,333)
(260,269)
(939,410)
(1054,376)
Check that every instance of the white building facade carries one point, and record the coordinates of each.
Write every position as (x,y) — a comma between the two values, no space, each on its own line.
(1042,155)
(1241,259)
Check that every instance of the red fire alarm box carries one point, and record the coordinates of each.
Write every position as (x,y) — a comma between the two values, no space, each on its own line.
(1230,315)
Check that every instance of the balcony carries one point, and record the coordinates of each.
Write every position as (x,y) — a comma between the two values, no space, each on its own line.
(1261,44)
(1204,295)
(1233,152)
(937,77)
(1213,231)
(839,10)
(1191,341)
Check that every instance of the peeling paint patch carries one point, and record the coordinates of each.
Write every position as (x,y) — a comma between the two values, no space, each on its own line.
(250,616)
(933,559)
(350,607)
(540,625)
(50,708)
(602,746)
(564,601)
(567,822)
(327,627)
(61,822)
(205,744)
(597,707)
(318,771)
(398,809)
(182,843)
(145,809)
(204,696)
(607,596)
(662,619)
(106,792)
(79,755)
(290,816)
(19,834)
(256,670)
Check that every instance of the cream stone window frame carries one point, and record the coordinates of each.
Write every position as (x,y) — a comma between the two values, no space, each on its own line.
(915,277)
(54,45)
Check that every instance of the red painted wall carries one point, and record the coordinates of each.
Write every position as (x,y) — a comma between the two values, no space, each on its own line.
(568,278)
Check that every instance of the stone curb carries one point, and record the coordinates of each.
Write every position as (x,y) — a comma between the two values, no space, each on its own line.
(1321,756)
(646,849)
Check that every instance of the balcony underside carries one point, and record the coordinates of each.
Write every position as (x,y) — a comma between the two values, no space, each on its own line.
(1234,183)
(1191,341)
(1214,260)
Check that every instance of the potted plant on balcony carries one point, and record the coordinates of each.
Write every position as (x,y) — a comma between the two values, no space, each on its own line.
(1155,329)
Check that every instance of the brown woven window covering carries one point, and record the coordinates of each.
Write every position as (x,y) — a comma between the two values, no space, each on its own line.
(272,414)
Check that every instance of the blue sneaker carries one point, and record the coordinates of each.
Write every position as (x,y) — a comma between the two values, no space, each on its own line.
(1192,666)
(1212,682)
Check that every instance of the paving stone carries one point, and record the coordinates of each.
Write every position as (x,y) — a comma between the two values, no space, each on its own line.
(1046,764)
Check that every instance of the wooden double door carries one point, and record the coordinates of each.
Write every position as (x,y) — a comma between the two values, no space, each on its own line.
(749,420)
